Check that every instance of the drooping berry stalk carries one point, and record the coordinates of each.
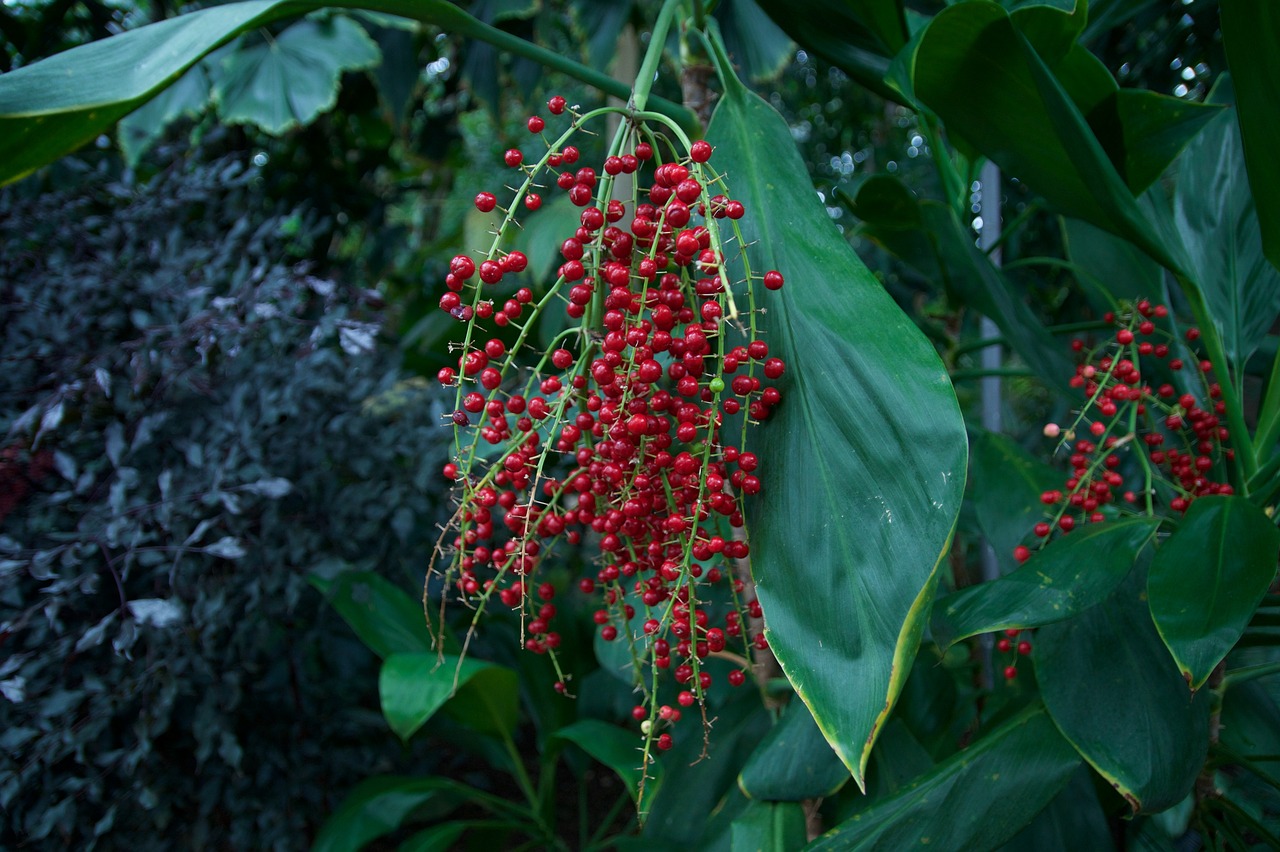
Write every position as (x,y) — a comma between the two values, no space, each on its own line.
(619,441)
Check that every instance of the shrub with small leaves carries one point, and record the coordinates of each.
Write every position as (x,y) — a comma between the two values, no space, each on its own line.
(191,426)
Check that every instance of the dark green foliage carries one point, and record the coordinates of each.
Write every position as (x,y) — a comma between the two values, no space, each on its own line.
(193,424)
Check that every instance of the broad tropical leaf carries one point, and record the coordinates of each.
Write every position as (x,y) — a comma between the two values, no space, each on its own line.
(866,464)
(1112,690)
(976,799)
(1065,578)
(1207,579)
(1250,32)
(1216,216)
(793,762)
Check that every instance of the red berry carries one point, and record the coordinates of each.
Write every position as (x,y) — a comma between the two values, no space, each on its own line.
(556,105)
(513,157)
(486,201)
(536,124)
(700,151)
(1021,553)
(1010,672)
(644,151)
(773,280)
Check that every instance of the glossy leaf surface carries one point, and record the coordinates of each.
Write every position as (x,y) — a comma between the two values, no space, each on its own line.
(287,81)
(1208,578)
(793,762)
(1216,217)
(414,686)
(382,615)
(1067,577)
(865,466)
(1112,690)
(1250,32)
(976,799)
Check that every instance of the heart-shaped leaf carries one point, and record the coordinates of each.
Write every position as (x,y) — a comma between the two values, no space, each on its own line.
(864,462)
(1207,579)
(288,80)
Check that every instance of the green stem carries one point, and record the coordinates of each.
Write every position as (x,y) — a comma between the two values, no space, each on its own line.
(652,56)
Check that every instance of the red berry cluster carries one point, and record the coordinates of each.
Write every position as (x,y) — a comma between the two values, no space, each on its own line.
(1150,445)
(627,434)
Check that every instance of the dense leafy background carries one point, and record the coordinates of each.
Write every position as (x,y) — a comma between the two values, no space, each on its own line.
(201,422)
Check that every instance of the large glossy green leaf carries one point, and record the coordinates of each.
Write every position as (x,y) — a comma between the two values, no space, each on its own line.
(1116,696)
(985,80)
(929,236)
(413,686)
(379,806)
(382,615)
(769,827)
(976,799)
(1065,578)
(1250,33)
(864,460)
(1216,216)
(617,748)
(794,762)
(1207,579)
(289,80)
(1005,484)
